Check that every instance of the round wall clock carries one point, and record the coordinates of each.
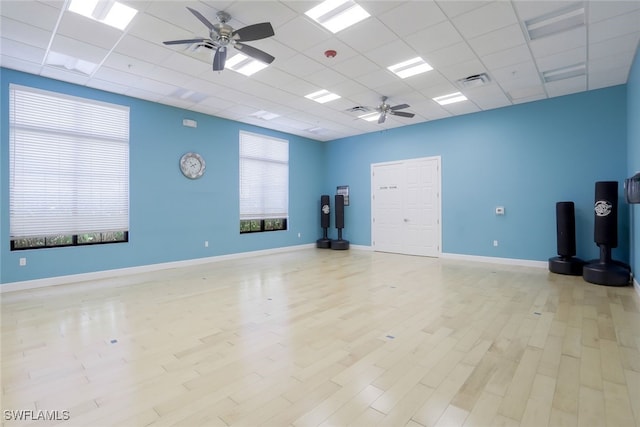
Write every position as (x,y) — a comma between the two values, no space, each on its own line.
(192,165)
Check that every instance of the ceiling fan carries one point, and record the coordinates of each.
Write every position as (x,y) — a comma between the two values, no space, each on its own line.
(385,109)
(222,35)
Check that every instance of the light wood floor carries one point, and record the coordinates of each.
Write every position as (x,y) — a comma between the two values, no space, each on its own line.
(326,338)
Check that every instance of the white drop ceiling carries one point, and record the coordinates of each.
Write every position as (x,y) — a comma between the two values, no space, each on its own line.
(457,38)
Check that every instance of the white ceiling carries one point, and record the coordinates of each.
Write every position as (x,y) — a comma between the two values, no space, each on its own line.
(458,38)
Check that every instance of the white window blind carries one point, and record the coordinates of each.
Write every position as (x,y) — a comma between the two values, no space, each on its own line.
(69,164)
(264,177)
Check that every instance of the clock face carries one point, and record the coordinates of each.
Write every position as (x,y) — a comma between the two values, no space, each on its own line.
(192,165)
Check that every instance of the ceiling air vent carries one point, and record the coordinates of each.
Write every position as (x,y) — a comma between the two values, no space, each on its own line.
(474,81)
(358,109)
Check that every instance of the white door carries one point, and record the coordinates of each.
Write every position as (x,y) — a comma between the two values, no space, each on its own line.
(406,207)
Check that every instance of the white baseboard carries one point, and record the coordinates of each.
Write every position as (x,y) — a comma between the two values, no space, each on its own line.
(496,260)
(105,274)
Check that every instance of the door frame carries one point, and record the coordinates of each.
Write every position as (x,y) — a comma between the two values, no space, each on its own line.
(438,197)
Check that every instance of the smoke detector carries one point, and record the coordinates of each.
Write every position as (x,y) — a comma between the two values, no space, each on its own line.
(475,80)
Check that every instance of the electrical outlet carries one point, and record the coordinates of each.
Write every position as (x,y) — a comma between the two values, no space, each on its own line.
(23,262)
(299,235)
(206,243)
(495,243)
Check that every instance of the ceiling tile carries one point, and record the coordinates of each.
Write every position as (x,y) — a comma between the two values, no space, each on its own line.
(301,33)
(129,64)
(253,12)
(391,53)
(37,14)
(488,97)
(356,67)
(462,70)
(24,33)
(326,78)
(64,75)
(564,59)
(155,30)
(455,8)
(19,64)
(366,35)
(75,26)
(22,51)
(600,10)
(411,17)
(504,58)
(615,27)
(433,38)
(139,48)
(497,40)
(560,42)
(605,77)
(302,65)
(493,16)
(567,86)
(626,44)
(450,55)
(527,10)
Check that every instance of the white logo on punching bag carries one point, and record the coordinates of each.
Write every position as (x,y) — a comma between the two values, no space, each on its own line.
(603,208)
(325,209)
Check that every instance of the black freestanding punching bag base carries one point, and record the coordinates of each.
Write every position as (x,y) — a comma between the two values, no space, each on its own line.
(571,266)
(323,243)
(608,274)
(340,244)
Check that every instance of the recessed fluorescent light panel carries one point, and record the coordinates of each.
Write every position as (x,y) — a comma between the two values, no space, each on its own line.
(410,68)
(70,63)
(108,12)
(244,65)
(322,96)
(450,98)
(564,72)
(336,15)
(265,115)
(370,117)
(556,22)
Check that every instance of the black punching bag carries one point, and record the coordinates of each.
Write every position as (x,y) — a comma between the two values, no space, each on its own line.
(325,219)
(339,211)
(605,271)
(606,210)
(566,228)
(566,241)
(339,243)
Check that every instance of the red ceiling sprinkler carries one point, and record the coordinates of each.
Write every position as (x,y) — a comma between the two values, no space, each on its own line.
(330,53)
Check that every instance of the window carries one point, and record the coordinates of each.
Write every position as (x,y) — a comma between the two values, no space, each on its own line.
(69,170)
(264,183)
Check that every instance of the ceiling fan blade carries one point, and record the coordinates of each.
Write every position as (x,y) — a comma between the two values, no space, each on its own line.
(401,114)
(187,41)
(400,107)
(382,117)
(251,51)
(254,32)
(202,19)
(220,58)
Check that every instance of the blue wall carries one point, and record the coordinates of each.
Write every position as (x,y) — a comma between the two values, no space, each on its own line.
(525,158)
(170,216)
(633,156)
